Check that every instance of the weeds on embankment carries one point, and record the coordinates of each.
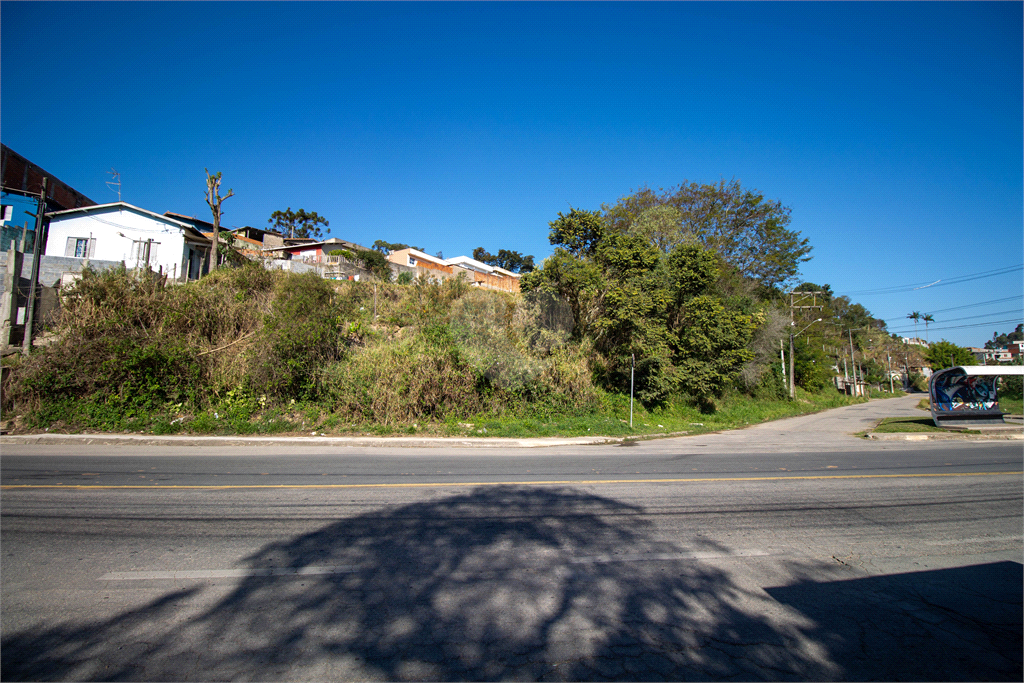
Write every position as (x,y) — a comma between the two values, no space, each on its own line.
(250,351)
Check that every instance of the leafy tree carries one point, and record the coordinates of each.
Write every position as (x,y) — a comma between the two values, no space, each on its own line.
(387,247)
(631,318)
(944,354)
(1012,386)
(1001,341)
(578,232)
(509,260)
(748,231)
(661,226)
(811,287)
(214,200)
(693,270)
(299,223)
(811,367)
(578,282)
(377,263)
(710,348)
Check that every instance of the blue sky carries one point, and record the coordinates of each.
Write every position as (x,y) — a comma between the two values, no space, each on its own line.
(892,130)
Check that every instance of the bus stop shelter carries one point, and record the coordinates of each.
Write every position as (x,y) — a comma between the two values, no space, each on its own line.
(965,396)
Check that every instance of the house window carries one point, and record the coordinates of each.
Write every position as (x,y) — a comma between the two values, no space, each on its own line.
(144,252)
(80,247)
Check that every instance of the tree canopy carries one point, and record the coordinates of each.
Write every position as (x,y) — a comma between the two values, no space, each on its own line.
(386,247)
(509,260)
(748,231)
(299,223)
(1001,341)
(638,303)
(578,232)
(944,354)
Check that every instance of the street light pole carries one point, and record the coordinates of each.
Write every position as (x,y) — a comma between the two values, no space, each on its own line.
(632,369)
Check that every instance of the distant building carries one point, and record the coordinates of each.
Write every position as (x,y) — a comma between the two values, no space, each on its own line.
(248,240)
(478,274)
(310,251)
(991,356)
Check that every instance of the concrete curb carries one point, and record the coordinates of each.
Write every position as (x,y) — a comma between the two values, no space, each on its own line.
(313,441)
(932,436)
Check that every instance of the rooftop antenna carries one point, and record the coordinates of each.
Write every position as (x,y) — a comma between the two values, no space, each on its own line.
(115,182)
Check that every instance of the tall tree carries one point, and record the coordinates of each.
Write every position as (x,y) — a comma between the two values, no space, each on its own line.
(387,247)
(944,354)
(915,316)
(748,231)
(299,223)
(1001,341)
(927,318)
(578,232)
(214,200)
(509,260)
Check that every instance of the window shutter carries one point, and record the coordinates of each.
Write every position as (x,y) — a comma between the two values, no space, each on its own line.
(92,247)
(69,250)
(152,253)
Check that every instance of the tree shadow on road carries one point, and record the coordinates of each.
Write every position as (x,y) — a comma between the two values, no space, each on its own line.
(504,582)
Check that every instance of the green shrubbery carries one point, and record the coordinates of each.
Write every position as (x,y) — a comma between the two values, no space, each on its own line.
(249,350)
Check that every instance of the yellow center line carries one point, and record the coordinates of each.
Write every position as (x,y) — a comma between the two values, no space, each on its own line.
(207,487)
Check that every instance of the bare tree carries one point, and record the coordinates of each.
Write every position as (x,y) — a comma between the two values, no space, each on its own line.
(214,199)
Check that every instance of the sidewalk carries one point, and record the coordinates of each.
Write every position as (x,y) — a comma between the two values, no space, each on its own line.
(832,429)
(315,441)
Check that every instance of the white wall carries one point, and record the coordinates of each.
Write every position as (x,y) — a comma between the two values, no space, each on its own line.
(104,226)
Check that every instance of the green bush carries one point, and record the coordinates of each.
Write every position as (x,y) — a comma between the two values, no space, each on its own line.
(299,335)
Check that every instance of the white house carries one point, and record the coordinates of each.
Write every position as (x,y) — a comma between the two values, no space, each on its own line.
(122,232)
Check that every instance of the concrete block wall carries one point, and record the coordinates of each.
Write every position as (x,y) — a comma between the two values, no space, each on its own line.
(52,268)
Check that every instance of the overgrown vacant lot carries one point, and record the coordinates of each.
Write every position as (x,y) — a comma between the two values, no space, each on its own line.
(247,350)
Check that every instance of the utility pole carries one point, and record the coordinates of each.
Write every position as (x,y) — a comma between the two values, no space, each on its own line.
(792,324)
(30,309)
(888,359)
(853,362)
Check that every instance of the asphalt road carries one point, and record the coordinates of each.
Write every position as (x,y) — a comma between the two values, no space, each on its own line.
(709,558)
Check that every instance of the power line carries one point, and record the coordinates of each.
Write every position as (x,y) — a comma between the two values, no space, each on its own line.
(938,283)
(980,303)
(981,315)
(961,327)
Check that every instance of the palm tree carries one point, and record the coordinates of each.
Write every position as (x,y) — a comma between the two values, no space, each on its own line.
(915,316)
(927,318)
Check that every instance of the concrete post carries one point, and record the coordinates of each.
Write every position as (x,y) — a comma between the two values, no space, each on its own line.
(9,304)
